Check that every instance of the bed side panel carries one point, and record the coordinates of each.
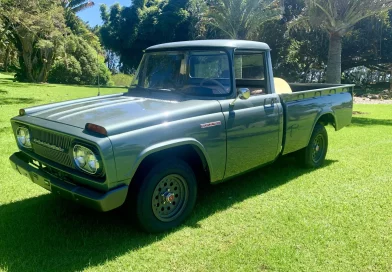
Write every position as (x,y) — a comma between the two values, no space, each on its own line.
(302,110)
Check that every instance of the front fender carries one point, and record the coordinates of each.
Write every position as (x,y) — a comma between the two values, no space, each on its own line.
(167,145)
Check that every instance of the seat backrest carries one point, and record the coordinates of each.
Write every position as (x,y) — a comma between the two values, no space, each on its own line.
(281,86)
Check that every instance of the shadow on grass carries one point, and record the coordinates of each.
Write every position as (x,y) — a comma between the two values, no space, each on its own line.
(3,91)
(5,130)
(8,82)
(18,100)
(359,121)
(15,84)
(47,233)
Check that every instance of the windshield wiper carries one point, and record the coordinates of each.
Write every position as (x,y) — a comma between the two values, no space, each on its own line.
(169,90)
(158,90)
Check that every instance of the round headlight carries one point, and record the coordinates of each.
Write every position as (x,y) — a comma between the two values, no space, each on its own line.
(85,159)
(23,136)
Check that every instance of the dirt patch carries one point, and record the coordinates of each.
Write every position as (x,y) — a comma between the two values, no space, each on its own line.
(365,100)
(359,112)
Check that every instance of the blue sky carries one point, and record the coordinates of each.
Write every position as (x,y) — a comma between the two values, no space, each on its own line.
(92,15)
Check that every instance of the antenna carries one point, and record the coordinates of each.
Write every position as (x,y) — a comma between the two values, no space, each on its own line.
(99,91)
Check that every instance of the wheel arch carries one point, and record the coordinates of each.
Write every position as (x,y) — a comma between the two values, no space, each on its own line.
(188,149)
(325,118)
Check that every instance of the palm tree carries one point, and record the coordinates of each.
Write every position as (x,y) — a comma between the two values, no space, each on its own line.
(337,17)
(238,19)
(77,5)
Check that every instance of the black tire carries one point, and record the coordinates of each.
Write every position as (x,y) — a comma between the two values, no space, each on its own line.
(313,156)
(166,195)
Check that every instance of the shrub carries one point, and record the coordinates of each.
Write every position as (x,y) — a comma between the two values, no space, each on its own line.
(80,65)
(65,71)
(122,80)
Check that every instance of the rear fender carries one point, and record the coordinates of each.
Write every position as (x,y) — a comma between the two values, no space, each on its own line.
(327,115)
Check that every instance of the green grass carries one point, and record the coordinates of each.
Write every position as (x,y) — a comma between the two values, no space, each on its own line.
(278,218)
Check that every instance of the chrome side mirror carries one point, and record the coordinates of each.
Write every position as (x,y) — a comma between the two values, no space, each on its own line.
(243,94)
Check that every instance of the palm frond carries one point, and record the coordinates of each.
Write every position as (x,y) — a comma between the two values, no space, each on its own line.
(83,6)
(75,3)
(339,16)
(238,18)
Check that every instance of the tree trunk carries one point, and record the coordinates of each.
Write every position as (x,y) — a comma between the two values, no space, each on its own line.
(46,58)
(7,58)
(334,66)
(28,66)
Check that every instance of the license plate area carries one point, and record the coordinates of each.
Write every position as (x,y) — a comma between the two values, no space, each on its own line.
(41,181)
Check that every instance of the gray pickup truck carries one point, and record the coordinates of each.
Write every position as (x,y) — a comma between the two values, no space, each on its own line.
(196,111)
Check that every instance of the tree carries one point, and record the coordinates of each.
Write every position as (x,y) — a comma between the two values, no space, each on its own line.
(238,19)
(79,63)
(369,43)
(8,55)
(337,18)
(38,30)
(127,31)
(198,29)
(8,51)
(76,5)
(112,61)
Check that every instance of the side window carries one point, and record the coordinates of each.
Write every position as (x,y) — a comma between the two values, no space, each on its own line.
(249,69)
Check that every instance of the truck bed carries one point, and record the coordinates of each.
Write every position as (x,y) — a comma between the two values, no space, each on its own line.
(310,103)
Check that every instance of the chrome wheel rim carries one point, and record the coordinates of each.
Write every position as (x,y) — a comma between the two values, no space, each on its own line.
(318,148)
(169,198)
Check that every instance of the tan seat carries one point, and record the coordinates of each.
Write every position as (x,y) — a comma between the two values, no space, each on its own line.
(281,86)
(256,91)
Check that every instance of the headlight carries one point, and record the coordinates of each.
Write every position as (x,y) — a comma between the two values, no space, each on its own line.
(23,136)
(86,160)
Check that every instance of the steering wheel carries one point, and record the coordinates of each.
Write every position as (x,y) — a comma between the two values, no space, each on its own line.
(216,82)
(161,80)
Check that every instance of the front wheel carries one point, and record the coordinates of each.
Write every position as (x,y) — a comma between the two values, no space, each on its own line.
(313,155)
(166,195)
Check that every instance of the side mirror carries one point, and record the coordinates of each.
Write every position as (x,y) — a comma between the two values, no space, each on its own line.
(243,94)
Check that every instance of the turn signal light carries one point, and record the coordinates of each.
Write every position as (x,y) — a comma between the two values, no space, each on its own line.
(97,129)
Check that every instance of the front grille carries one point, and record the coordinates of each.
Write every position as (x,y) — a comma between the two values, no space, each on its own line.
(48,145)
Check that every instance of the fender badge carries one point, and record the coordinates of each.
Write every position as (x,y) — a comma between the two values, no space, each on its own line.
(212,124)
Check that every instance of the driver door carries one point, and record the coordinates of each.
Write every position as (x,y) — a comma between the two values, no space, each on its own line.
(253,126)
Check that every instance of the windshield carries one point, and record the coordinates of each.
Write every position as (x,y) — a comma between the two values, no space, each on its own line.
(198,73)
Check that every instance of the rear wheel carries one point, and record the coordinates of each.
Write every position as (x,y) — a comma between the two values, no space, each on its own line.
(313,155)
(166,195)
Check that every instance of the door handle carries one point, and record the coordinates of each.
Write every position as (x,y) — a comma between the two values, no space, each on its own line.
(269,102)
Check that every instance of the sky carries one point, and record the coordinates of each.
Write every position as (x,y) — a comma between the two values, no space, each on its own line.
(92,15)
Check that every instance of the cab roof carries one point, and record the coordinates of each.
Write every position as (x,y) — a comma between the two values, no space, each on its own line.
(240,44)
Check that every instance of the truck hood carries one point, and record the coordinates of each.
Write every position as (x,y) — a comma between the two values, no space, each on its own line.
(121,113)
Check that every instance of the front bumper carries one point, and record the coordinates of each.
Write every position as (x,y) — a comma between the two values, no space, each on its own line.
(87,197)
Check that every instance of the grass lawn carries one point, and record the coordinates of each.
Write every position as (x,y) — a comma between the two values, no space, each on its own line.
(278,218)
